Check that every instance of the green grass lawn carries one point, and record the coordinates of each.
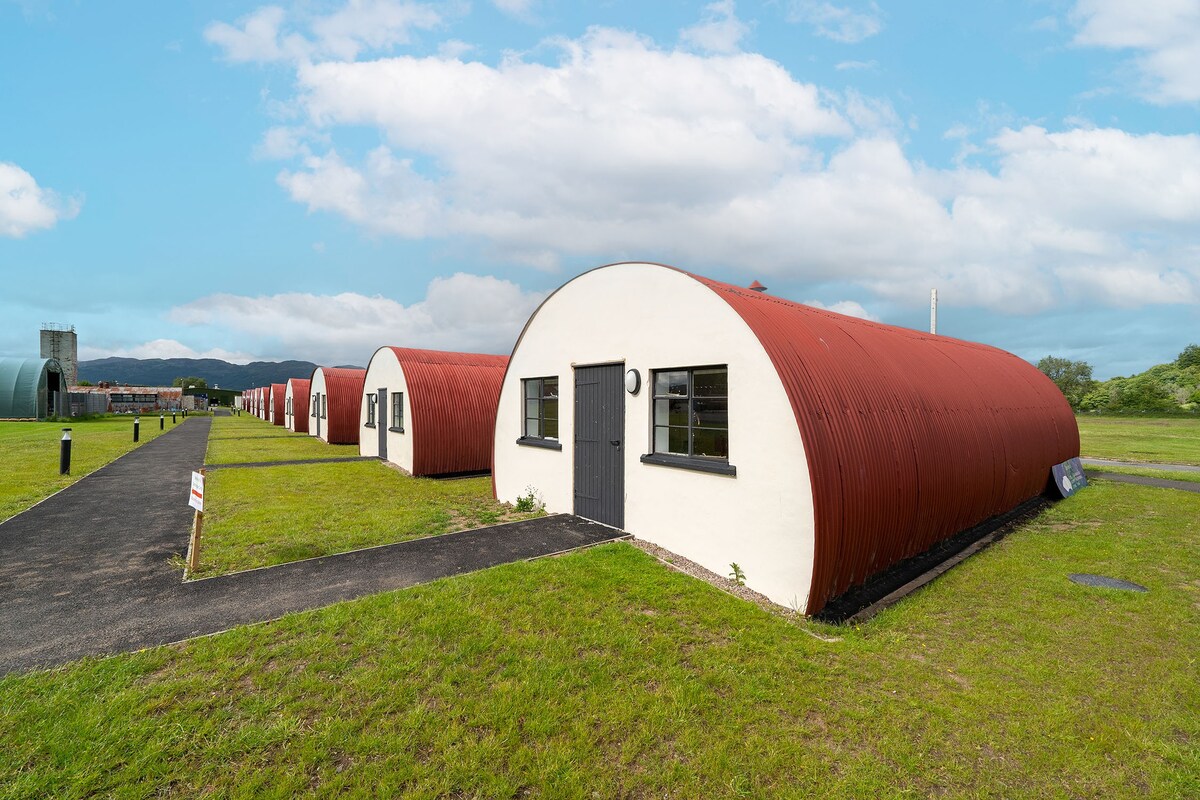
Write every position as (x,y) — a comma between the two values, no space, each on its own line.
(259,516)
(604,674)
(29,454)
(248,439)
(1167,440)
(1148,472)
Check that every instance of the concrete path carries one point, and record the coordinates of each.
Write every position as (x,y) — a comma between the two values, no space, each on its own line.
(1104,462)
(86,571)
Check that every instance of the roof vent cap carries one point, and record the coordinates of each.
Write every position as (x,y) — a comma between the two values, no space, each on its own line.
(756,287)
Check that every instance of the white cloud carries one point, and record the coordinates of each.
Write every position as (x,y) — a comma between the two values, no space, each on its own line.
(517,8)
(839,23)
(848,307)
(535,157)
(463,312)
(361,25)
(371,24)
(454,49)
(257,38)
(625,150)
(719,30)
(162,348)
(865,65)
(1165,33)
(26,207)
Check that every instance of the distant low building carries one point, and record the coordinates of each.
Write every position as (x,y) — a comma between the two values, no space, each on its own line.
(135,399)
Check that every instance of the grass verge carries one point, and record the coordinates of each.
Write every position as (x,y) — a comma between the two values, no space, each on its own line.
(260,516)
(1167,440)
(29,454)
(248,439)
(604,674)
(1146,472)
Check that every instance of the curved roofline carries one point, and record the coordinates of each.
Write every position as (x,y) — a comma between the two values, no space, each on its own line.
(911,436)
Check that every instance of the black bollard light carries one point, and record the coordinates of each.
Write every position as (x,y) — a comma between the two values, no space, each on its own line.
(162,421)
(172,416)
(64,453)
(136,423)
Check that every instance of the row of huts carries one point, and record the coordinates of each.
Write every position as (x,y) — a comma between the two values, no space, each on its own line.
(813,449)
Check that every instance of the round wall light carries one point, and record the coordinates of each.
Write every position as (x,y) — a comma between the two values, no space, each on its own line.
(633,381)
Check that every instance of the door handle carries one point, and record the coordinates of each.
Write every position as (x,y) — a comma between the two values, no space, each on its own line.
(615,442)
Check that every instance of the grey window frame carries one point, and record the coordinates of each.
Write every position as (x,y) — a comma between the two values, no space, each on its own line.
(372,402)
(701,463)
(397,417)
(324,406)
(540,439)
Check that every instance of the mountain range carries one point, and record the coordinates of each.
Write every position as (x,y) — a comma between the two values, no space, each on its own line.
(218,373)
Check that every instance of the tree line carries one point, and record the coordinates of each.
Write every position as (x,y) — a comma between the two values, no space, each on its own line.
(1174,386)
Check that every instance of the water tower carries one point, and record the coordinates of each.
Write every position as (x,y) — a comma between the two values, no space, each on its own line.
(60,342)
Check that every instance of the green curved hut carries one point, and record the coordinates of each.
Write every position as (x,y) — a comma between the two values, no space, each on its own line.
(31,388)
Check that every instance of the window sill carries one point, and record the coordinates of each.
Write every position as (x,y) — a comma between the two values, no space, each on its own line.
(396,430)
(697,464)
(532,441)
(368,424)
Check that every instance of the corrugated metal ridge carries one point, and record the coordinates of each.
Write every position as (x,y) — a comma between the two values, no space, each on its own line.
(910,437)
(344,388)
(452,401)
(409,355)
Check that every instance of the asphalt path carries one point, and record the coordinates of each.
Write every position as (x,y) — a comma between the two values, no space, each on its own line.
(86,572)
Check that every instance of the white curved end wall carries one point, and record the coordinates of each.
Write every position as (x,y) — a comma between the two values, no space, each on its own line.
(384,372)
(318,425)
(649,318)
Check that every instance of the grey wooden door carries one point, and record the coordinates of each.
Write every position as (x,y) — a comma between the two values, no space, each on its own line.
(317,413)
(599,442)
(381,422)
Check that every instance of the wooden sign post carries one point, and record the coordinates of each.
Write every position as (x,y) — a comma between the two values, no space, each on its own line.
(196,501)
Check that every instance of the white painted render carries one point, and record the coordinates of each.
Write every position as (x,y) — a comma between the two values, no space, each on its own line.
(384,372)
(316,388)
(290,404)
(271,405)
(651,318)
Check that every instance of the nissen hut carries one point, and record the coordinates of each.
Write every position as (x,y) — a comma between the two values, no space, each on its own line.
(730,426)
(336,394)
(276,403)
(430,412)
(295,400)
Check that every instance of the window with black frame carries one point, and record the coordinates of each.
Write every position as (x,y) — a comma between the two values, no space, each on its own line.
(372,401)
(691,412)
(398,412)
(541,408)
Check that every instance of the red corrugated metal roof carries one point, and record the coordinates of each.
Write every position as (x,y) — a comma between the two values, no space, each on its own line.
(911,437)
(278,403)
(344,390)
(300,400)
(453,399)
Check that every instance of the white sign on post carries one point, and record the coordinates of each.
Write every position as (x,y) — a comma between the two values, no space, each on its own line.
(196,500)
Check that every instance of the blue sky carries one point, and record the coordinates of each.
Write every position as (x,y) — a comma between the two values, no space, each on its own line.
(313,180)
